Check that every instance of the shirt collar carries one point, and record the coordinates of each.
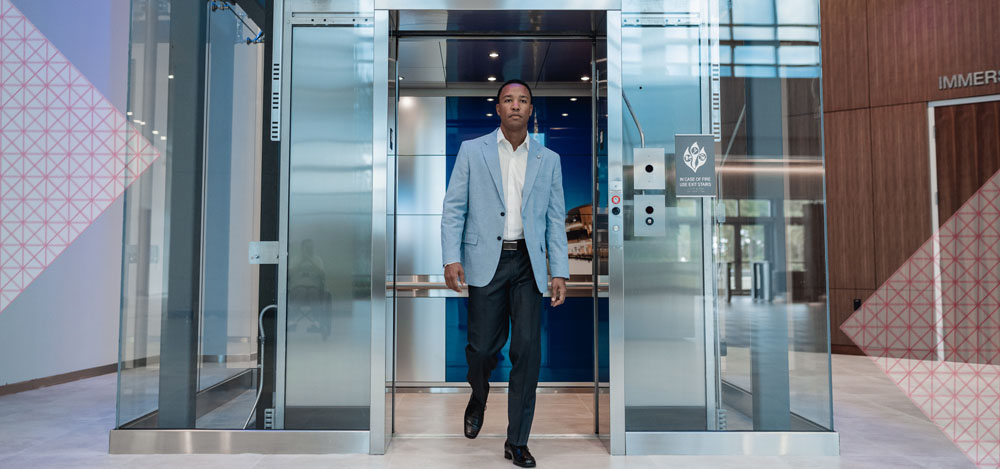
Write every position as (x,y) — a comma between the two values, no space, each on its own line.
(501,138)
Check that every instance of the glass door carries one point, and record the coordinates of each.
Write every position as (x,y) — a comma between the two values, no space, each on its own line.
(670,368)
(331,274)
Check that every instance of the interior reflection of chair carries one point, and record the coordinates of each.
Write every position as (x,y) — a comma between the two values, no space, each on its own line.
(309,307)
(308,300)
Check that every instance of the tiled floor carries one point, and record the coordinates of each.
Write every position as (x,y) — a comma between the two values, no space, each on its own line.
(67,426)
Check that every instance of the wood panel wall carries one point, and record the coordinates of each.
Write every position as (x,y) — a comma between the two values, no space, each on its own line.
(881,63)
(913,42)
(850,200)
(901,185)
(968,152)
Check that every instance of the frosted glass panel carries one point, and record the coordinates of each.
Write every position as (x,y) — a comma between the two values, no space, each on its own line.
(329,230)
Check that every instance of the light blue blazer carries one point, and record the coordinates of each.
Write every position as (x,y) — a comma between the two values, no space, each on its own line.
(471,224)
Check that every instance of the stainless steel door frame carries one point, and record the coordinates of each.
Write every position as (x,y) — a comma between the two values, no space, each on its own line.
(378,433)
(432,285)
(282,48)
(616,239)
(711,123)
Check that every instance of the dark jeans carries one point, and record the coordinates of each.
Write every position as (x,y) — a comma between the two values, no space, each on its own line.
(510,303)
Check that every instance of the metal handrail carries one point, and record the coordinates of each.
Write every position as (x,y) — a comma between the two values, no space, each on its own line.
(642,136)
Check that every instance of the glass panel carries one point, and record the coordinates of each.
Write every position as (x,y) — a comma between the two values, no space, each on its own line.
(328,330)
(731,208)
(752,11)
(229,282)
(795,208)
(725,245)
(143,267)
(801,12)
(752,243)
(191,368)
(775,372)
(664,328)
(755,208)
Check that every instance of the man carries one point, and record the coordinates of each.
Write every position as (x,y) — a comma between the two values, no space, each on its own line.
(503,210)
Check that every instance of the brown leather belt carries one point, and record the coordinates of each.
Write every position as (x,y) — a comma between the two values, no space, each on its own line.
(513,245)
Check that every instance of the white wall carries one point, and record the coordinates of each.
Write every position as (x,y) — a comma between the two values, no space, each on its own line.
(67,319)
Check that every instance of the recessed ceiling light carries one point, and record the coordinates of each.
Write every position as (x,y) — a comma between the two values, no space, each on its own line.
(572,99)
(163,137)
(170,77)
(489,99)
(585,78)
(489,114)
(128,113)
(156,132)
(565,115)
(401,77)
(494,55)
(492,78)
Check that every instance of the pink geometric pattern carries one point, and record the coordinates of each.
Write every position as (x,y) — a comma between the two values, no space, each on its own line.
(66,153)
(934,327)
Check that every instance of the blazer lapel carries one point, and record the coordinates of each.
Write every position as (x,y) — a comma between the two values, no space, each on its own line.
(491,154)
(531,171)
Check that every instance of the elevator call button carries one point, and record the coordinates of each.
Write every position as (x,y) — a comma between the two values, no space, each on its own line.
(649,168)
(654,222)
(616,200)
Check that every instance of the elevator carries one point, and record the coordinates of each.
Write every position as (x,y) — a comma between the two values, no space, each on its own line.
(656,351)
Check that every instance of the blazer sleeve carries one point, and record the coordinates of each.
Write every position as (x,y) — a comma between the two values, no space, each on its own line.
(555,225)
(456,207)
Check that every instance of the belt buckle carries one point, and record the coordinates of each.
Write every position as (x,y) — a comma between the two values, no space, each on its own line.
(510,245)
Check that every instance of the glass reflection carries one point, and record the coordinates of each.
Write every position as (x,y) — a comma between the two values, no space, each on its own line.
(772,232)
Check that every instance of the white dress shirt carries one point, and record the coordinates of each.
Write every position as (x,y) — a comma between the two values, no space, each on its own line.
(513,164)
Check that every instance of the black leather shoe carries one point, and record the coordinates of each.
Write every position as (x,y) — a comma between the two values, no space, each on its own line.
(473,419)
(519,455)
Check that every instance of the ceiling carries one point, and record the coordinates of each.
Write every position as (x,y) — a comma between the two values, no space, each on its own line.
(506,22)
(452,49)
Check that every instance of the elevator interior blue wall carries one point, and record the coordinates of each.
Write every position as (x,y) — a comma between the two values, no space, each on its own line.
(568,330)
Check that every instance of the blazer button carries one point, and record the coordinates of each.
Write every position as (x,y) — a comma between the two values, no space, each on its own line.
(502,214)
(498,238)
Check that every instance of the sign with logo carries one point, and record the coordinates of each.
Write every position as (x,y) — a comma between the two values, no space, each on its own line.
(695,165)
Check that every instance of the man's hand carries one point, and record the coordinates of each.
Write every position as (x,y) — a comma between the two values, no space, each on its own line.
(453,274)
(558,291)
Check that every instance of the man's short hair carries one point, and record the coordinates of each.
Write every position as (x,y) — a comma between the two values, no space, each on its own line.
(514,81)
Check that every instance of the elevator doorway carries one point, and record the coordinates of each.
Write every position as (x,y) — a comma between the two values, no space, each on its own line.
(445,69)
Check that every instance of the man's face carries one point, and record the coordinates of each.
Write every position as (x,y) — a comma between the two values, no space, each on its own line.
(514,107)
